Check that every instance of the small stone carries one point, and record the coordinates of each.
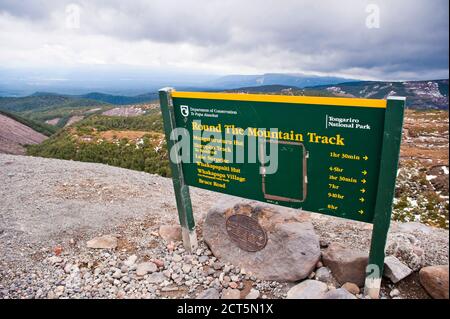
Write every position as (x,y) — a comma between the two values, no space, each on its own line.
(186,268)
(323,274)
(253,294)
(394,293)
(59,291)
(395,270)
(203,259)
(131,260)
(233,285)
(103,242)
(145,268)
(210,293)
(351,288)
(170,232)
(156,278)
(308,289)
(158,262)
(217,265)
(55,260)
(323,243)
(339,293)
(177,258)
(231,293)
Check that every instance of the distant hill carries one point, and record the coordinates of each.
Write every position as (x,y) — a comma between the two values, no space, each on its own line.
(120,99)
(419,94)
(295,80)
(14,135)
(40,101)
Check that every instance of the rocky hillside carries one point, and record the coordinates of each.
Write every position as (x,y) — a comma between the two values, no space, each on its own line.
(14,135)
(53,212)
(419,94)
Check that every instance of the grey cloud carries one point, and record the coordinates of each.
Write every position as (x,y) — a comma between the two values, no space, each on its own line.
(323,36)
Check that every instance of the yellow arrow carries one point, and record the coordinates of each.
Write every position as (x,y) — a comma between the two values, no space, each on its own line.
(362,199)
(362,190)
(361,211)
(364,172)
(363,181)
(365,157)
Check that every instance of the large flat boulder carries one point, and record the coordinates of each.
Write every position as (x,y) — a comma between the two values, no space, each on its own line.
(346,264)
(292,248)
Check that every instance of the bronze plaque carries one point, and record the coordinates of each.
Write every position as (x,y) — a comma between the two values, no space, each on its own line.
(246,232)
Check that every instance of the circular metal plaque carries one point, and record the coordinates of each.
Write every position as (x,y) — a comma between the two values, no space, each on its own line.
(246,232)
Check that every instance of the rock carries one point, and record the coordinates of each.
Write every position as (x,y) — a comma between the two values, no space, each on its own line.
(308,289)
(217,265)
(156,278)
(158,262)
(406,248)
(59,291)
(323,274)
(253,294)
(210,293)
(395,270)
(394,293)
(131,260)
(186,268)
(203,259)
(145,268)
(346,264)
(177,258)
(231,293)
(233,285)
(103,242)
(351,288)
(292,249)
(435,281)
(339,293)
(55,260)
(67,268)
(170,232)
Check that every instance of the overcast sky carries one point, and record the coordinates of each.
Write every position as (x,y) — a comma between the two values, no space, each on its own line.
(409,40)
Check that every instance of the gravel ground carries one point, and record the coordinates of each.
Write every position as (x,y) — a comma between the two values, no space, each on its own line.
(50,205)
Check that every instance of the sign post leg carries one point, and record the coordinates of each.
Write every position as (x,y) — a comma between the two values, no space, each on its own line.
(182,196)
(392,136)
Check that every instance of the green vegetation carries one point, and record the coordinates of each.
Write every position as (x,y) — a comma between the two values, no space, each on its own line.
(83,142)
(149,122)
(44,102)
(43,128)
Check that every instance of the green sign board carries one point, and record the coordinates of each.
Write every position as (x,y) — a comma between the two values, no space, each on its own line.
(334,156)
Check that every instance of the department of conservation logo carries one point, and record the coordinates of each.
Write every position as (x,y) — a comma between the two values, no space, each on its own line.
(184,110)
